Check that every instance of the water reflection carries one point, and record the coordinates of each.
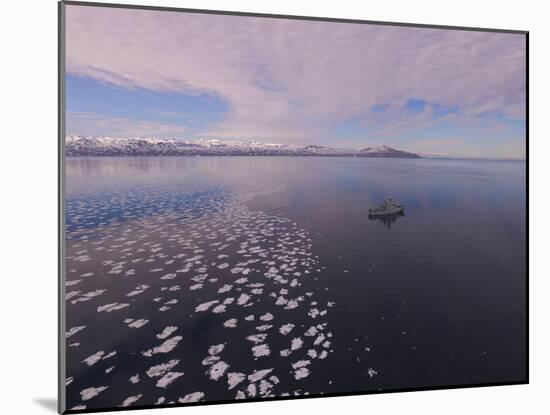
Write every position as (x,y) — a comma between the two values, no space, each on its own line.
(387,220)
(421,305)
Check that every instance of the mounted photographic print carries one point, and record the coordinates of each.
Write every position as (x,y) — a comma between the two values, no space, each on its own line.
(259,207)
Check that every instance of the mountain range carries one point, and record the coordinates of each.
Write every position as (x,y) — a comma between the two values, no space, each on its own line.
(76,146)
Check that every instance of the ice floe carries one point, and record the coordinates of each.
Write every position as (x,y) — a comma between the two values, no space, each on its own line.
(72,331)
(217,370)
(192,397)
(92,392)
(165,347)
(166,332)
(130,400)
(161,369)
(138,323)
(168,378)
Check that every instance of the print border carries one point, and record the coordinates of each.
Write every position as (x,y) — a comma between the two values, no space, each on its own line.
(61,203)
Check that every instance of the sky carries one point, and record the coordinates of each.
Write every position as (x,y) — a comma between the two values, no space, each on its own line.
(143,73)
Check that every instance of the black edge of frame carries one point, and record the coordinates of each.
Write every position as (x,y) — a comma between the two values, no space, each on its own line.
(61,323)
(61,204)
(527,206)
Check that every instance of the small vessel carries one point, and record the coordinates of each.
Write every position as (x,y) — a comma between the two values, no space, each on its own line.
(389,207)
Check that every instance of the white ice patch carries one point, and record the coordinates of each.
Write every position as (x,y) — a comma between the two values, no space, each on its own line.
(139,289)
(93,359)
(90,393)
(313,312)
(192,397)
(130,400)
(159,370)
(217,370)
(112,307)
(219,309)
(165,347)
(231,323)
(72,331)
(166,332)
(225,288)
(259,374)
(243,299)
(168,276)
(216,349)
(264,327)
(291,304)
(234,378)
(257,338)
(138,323)
(286,328)
(167,379)
(312,353)
(87,296)
(312,331)
(296,343)
(371,372)
(205,306)
(261,350)
(301,363)
(303,372)
(266,317)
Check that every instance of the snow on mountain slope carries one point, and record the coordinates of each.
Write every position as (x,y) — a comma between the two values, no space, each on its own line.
(385,151)
(108,146)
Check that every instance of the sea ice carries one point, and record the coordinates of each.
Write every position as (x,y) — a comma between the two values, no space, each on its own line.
(217,370)
(234,378)
(93,359)
(261,350)
(72,331)
(138,323)
(90,393)
(192,397)
(130,400)
(166,332)
(165,347)
(259,374)
(167,379)
(230,323)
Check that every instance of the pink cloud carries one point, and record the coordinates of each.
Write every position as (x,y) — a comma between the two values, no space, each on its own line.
(286,78)
(90,124)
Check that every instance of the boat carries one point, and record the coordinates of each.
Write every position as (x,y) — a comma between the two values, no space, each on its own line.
(389,207)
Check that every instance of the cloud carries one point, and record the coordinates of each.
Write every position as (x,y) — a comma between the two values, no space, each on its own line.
(289,79)
(91,124)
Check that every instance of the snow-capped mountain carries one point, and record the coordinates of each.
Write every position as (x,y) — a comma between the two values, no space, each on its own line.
(108,146)
(385,151)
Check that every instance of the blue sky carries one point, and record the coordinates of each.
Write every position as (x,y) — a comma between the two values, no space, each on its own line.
(135,73)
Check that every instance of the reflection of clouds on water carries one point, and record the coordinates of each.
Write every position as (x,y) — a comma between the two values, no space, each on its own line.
(192,257)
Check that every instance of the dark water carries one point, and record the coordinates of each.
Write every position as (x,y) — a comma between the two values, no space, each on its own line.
(432,298)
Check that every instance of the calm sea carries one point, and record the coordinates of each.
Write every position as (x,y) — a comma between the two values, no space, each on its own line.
(216,278)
